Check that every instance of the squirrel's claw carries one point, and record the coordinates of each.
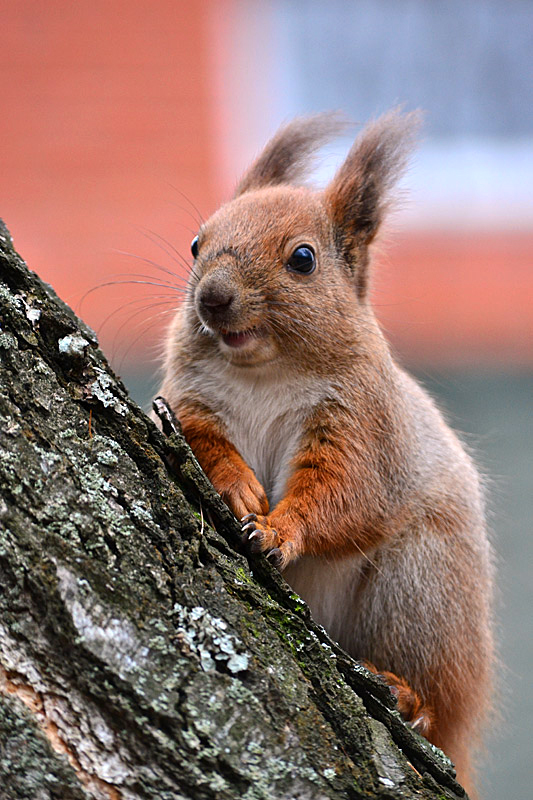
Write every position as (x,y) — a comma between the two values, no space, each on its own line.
(249,526)
(275,556)
(259,537)
(258,534)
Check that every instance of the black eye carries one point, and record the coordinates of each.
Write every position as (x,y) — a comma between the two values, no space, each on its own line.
(302,260)
(194,247)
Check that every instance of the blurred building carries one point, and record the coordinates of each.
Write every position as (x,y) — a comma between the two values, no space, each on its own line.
(128,120)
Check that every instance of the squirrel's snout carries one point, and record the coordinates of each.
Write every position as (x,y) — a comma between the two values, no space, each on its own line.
(217,301)
(216,298)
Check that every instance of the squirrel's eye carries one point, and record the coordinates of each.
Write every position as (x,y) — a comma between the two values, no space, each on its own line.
(194,247)
(302,260)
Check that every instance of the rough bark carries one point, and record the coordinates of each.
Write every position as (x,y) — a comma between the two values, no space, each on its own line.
(141,655)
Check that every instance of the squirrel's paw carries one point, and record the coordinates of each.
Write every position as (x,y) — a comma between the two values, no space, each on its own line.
(244,495)
(416,714)
(260,537)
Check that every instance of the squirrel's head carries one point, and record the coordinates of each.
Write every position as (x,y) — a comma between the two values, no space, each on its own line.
(282,270)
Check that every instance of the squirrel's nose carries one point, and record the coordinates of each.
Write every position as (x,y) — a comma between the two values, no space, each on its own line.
(216,298)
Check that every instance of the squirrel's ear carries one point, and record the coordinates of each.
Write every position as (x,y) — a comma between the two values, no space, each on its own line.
(360,192)
(286,157)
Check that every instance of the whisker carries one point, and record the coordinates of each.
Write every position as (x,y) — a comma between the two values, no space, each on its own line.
(159,297)
(189,267)
(153,264)
(319,313)
(177,289)
(199,219)
(166,246)
(282,330)
(152,322)
(153,319)
(181,284)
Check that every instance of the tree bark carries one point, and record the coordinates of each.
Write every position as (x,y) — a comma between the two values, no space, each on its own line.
(141,656)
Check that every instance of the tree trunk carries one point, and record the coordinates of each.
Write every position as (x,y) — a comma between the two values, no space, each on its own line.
(141,656)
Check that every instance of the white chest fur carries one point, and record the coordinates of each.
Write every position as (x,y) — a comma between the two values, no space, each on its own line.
(264,413)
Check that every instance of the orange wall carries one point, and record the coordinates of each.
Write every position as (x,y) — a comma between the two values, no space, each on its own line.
(456,297)
(106,107)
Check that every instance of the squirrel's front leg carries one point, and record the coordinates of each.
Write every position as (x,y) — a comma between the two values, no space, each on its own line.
(231,476)
(331,505)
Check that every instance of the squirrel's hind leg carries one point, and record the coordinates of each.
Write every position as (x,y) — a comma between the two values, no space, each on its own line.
(415,712)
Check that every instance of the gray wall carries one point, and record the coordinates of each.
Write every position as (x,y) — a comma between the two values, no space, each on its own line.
(468,63)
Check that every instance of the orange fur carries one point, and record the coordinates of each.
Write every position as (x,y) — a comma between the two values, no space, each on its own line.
(346,474)
(230,475)
(410,705)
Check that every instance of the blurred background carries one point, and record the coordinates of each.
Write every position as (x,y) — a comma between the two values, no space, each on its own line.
(124,122)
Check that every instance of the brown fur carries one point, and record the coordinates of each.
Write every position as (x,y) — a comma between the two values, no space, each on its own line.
(352,482)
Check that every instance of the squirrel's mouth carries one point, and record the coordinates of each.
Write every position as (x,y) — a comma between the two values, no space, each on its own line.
(240,338)
(247,348)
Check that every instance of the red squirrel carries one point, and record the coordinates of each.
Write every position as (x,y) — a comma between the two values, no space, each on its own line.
(338,463)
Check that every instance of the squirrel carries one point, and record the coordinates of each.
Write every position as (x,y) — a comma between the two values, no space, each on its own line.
(337,462)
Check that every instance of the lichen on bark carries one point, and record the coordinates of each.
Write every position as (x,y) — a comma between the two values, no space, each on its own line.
(142,655)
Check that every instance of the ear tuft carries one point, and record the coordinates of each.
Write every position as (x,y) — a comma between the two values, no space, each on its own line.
(360,192)
(286,157)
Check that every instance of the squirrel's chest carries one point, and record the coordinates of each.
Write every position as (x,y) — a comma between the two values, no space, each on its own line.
(265,420)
